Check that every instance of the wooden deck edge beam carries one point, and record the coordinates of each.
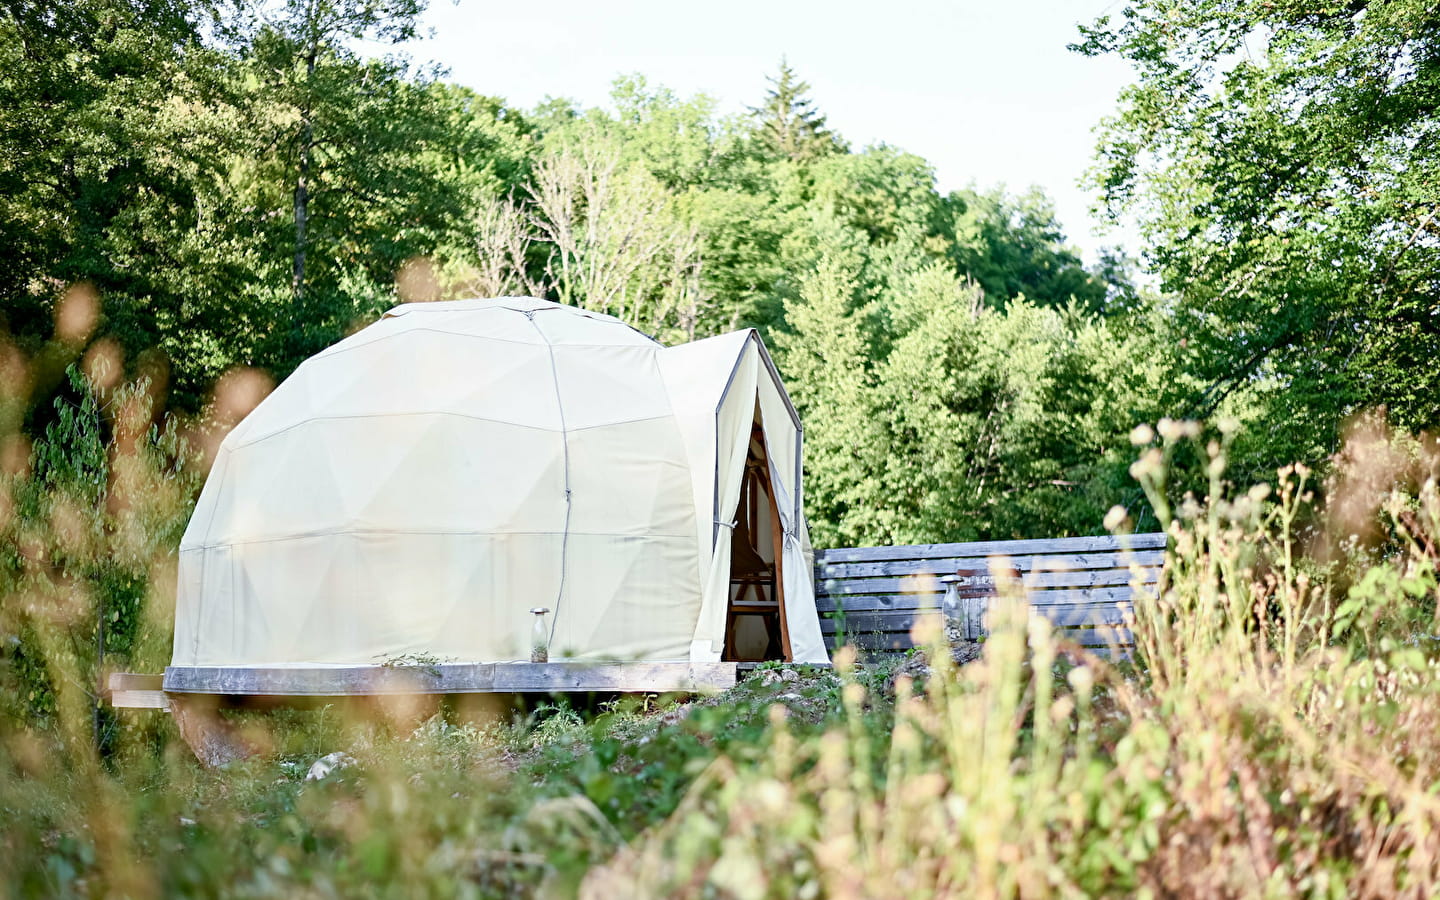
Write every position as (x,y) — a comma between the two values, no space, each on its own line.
(139,700)
(135,690)
(450,678)
(129,690)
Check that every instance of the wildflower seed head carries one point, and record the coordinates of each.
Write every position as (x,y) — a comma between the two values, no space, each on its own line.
(1116,518)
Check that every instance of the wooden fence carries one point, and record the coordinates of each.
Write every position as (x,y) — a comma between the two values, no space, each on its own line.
(873,595)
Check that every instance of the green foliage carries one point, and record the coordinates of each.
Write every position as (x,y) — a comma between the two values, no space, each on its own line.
(242,201)
(188,187)
(345,168)
(284,189)
(1278,160)
(1398,601)
(931,416)
(103,494)
(1229,761)
(98,153)
(790,127)
(1013,247)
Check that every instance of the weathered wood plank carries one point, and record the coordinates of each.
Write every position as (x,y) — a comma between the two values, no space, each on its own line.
(893,642)
(889,643)
(139,700)
(448,678)
(135,690)
(917,584)
(828,605)
(324,681)
(1097,637)
(623,677)
(134,681)
(1098,543)
(904,620)
(758,605)
(875,622)
(948,565)
(1081,616)
(1067,596)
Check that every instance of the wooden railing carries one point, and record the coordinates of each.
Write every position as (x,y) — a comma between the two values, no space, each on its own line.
(873,595)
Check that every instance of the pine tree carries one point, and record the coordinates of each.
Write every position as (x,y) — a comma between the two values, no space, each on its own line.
(789,125)
(824,359)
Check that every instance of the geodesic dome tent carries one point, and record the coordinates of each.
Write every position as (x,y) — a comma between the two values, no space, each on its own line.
(417,488)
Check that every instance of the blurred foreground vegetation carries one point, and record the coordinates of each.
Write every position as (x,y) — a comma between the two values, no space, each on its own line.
(1275,733)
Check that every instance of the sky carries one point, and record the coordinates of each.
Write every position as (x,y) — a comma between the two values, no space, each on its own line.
(985,91)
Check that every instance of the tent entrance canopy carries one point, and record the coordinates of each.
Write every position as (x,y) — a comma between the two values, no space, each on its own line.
(755,627)
(415,489)
(722,420)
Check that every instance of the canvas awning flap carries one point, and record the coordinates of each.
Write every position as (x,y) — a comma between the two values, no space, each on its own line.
(783,448)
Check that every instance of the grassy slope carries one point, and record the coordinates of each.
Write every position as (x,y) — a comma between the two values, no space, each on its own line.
(496,806)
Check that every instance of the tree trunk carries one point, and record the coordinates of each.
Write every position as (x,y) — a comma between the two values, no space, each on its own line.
(302,209)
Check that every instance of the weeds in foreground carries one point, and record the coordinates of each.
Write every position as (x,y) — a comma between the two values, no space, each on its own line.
(1269,741)
(1276,733)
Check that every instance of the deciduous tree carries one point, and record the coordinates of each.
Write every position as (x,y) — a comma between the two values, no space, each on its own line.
(1280,160)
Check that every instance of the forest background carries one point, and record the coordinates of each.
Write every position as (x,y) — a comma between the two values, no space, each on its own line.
(191,189)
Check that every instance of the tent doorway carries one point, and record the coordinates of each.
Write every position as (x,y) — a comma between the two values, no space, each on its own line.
(755,627)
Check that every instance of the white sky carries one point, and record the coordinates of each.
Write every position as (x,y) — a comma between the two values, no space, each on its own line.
(986,91)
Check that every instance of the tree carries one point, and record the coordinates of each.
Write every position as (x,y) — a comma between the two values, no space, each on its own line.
(824,356)
(1007,423)
(1013,246)
(886,193)
(1280,160)
(788,124)
(615,244)
(330,117)
(944,419)
(238,199)
(96,160)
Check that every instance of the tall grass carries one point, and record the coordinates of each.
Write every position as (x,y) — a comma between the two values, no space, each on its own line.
(1268,741)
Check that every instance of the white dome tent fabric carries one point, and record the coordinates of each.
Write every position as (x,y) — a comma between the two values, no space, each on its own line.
(414,490)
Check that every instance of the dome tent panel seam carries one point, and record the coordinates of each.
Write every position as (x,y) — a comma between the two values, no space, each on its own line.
(565,446)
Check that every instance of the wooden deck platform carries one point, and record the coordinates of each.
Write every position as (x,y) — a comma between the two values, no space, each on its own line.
(129,690)
(450,678)
(193,695)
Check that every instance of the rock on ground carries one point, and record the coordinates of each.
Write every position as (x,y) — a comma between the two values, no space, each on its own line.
(918,668)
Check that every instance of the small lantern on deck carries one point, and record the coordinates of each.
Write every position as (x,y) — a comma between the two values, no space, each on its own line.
(540,636)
